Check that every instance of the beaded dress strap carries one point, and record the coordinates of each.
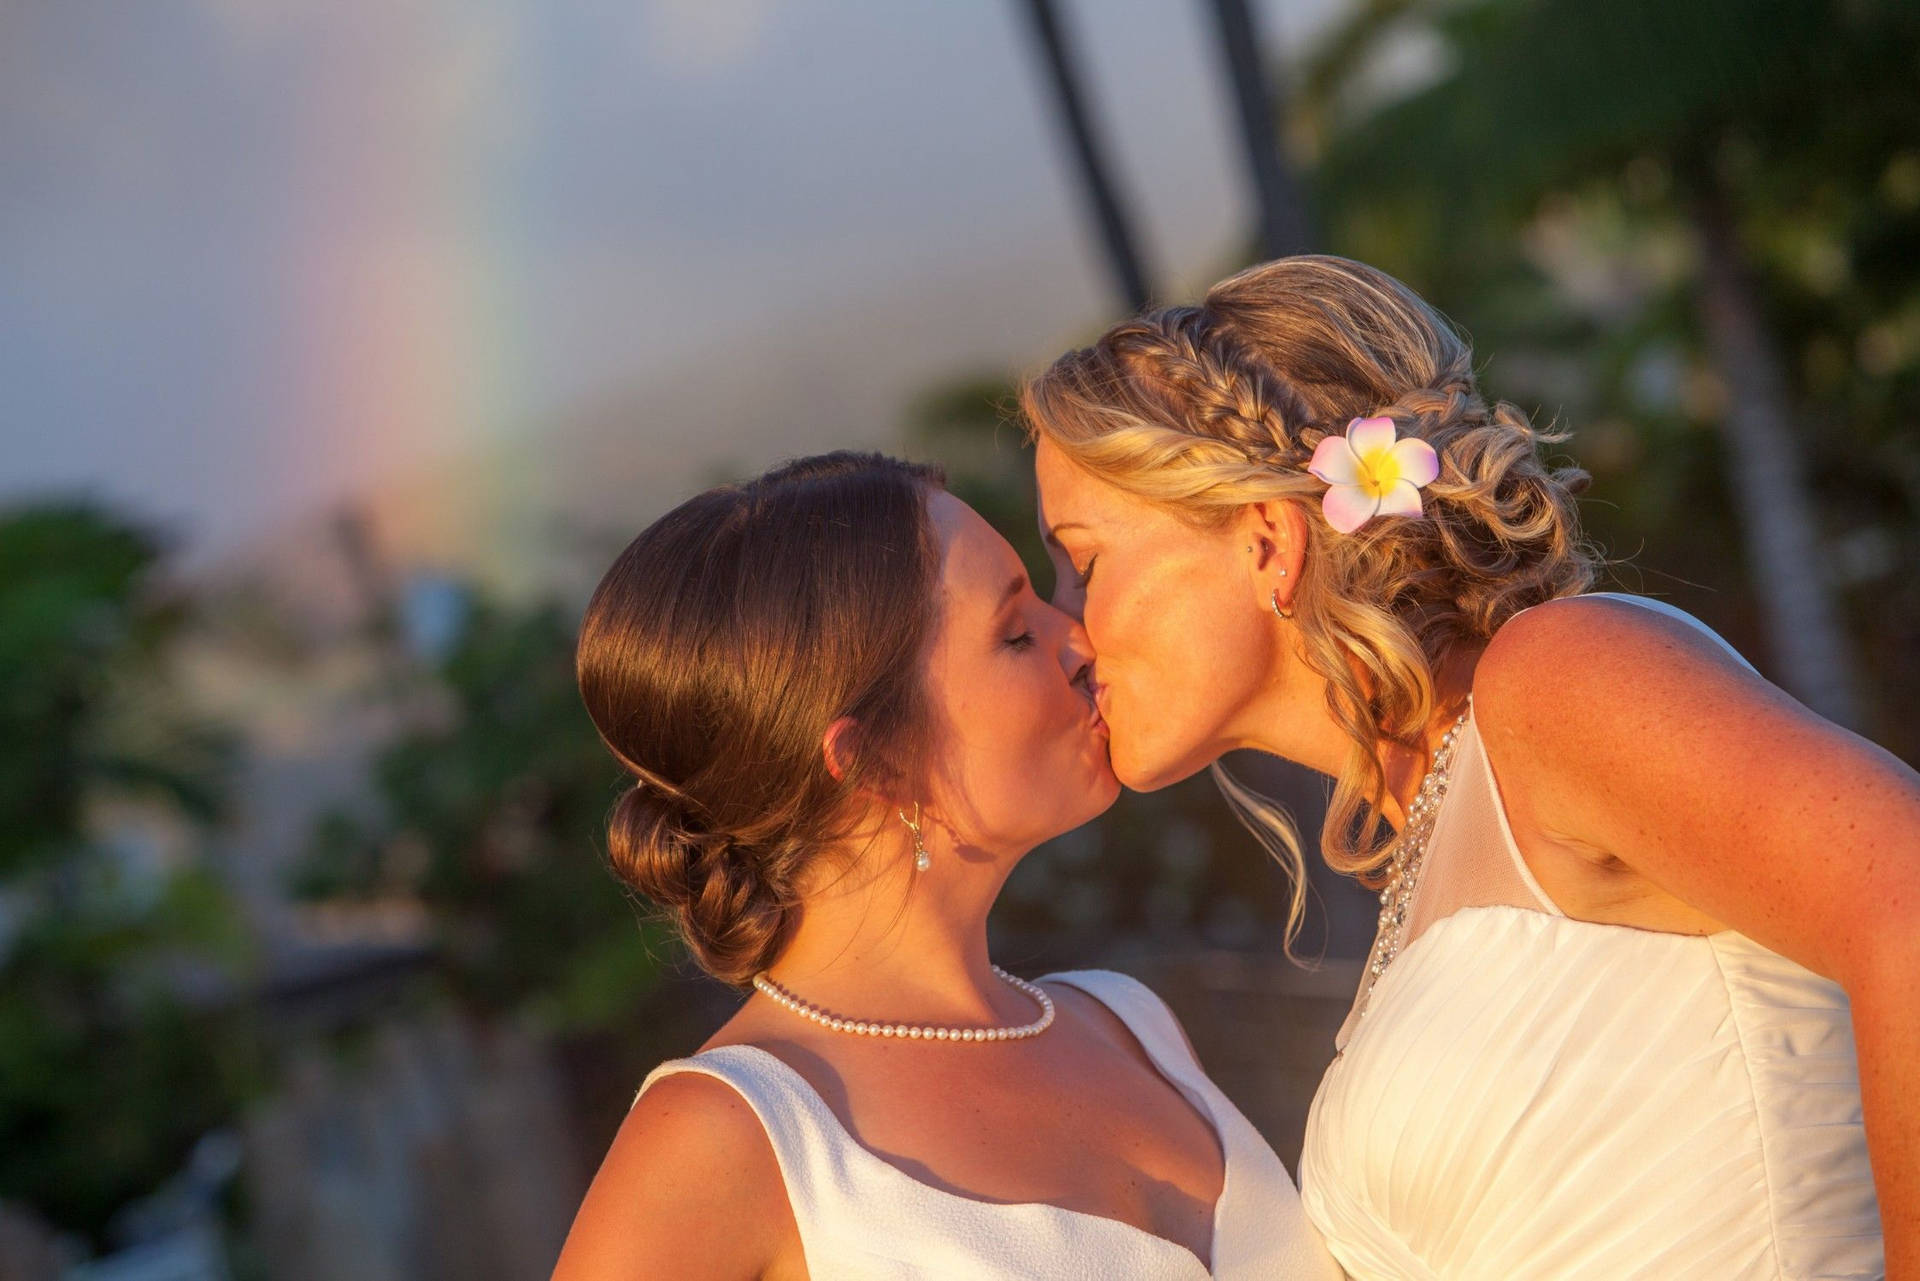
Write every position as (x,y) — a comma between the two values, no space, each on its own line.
(1408,854)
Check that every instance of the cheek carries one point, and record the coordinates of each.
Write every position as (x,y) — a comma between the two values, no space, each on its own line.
(1155,635)
(1022,761)
(1177,654)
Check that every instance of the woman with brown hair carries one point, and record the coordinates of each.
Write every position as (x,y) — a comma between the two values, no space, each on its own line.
(847,717)
(1643,995)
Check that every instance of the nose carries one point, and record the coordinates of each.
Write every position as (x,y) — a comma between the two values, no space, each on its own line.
(1067,598)
(1076,653)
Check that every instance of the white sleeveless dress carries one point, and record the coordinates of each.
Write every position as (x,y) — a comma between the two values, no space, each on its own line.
(1533,1096)
(862,1218)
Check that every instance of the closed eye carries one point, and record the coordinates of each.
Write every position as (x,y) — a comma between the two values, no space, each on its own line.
(1082,576)
(1021,642)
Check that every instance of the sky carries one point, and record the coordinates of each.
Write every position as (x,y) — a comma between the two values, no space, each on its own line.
(498,259)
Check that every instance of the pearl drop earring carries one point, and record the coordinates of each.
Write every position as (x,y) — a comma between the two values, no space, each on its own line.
(921,859)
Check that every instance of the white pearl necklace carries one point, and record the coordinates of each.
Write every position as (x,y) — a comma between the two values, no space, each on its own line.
(1409,852)
(913,1032)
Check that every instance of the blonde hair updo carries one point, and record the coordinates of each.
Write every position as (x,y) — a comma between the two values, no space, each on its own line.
(1207,408)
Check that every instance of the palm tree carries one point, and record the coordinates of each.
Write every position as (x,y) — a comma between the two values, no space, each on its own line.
(1284,225)
(1089,151)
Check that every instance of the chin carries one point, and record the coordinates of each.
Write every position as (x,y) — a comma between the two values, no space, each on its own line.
(1096,797)
(1089,802)
(1106,792)
(1148,774)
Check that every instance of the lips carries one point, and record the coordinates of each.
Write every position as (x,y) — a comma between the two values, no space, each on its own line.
(1095,719)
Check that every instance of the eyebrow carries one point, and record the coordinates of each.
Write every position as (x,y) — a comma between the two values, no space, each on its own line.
(1014,587)
(1052,531)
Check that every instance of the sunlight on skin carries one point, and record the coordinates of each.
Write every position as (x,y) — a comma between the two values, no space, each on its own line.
(1190,661)
(1019,757)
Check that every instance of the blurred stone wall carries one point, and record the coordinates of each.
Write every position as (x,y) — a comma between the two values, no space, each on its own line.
(447,1153)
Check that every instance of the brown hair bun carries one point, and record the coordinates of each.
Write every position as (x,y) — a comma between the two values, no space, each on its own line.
(714,655)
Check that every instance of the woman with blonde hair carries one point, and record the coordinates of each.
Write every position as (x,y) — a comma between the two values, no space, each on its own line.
(1642,1000)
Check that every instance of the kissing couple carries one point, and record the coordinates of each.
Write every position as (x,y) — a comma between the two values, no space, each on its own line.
(1645,995)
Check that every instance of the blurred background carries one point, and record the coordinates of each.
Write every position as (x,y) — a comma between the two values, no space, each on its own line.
(342,345)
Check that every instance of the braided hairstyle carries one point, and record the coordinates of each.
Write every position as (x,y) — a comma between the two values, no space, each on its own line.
(1204,409)
(713,657)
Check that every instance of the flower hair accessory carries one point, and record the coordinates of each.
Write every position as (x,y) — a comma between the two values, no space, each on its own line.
(1369,473)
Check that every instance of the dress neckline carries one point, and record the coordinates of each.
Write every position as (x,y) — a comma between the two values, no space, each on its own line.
(1544,905)
(829,1120)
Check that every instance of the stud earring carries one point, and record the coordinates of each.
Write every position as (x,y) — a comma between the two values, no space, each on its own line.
(1283,573)
(921,859)
(1284,613)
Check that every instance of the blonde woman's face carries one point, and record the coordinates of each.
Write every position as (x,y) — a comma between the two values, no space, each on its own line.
(1183,645)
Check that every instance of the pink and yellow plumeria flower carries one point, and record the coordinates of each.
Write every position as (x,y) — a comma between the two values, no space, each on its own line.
(1371,474)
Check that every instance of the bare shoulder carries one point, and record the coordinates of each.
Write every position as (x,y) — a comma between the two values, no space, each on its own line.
(691,1112)
(1621,733)
(1578,667)
(689,1187)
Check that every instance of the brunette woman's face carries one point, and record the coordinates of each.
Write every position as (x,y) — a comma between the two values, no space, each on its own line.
(1184,643)
(1020,749)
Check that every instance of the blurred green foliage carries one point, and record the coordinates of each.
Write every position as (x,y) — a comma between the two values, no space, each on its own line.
(77,624)
(489,808)
(1547,179)
(117,1046)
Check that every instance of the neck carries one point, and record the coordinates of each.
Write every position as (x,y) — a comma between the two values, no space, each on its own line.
(1317,741)
(886,943)
(1405,767)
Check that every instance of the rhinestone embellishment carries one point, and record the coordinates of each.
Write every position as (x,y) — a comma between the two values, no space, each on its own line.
(1409,852)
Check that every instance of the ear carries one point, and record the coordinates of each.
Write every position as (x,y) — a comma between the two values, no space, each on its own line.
(1276,533)
(840,746)
(837,747)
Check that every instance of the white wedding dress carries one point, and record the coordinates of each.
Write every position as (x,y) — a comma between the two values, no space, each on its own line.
(1533,1096)
(863,1219)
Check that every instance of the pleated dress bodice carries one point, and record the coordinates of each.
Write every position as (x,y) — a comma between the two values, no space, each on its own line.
(1528,1095)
